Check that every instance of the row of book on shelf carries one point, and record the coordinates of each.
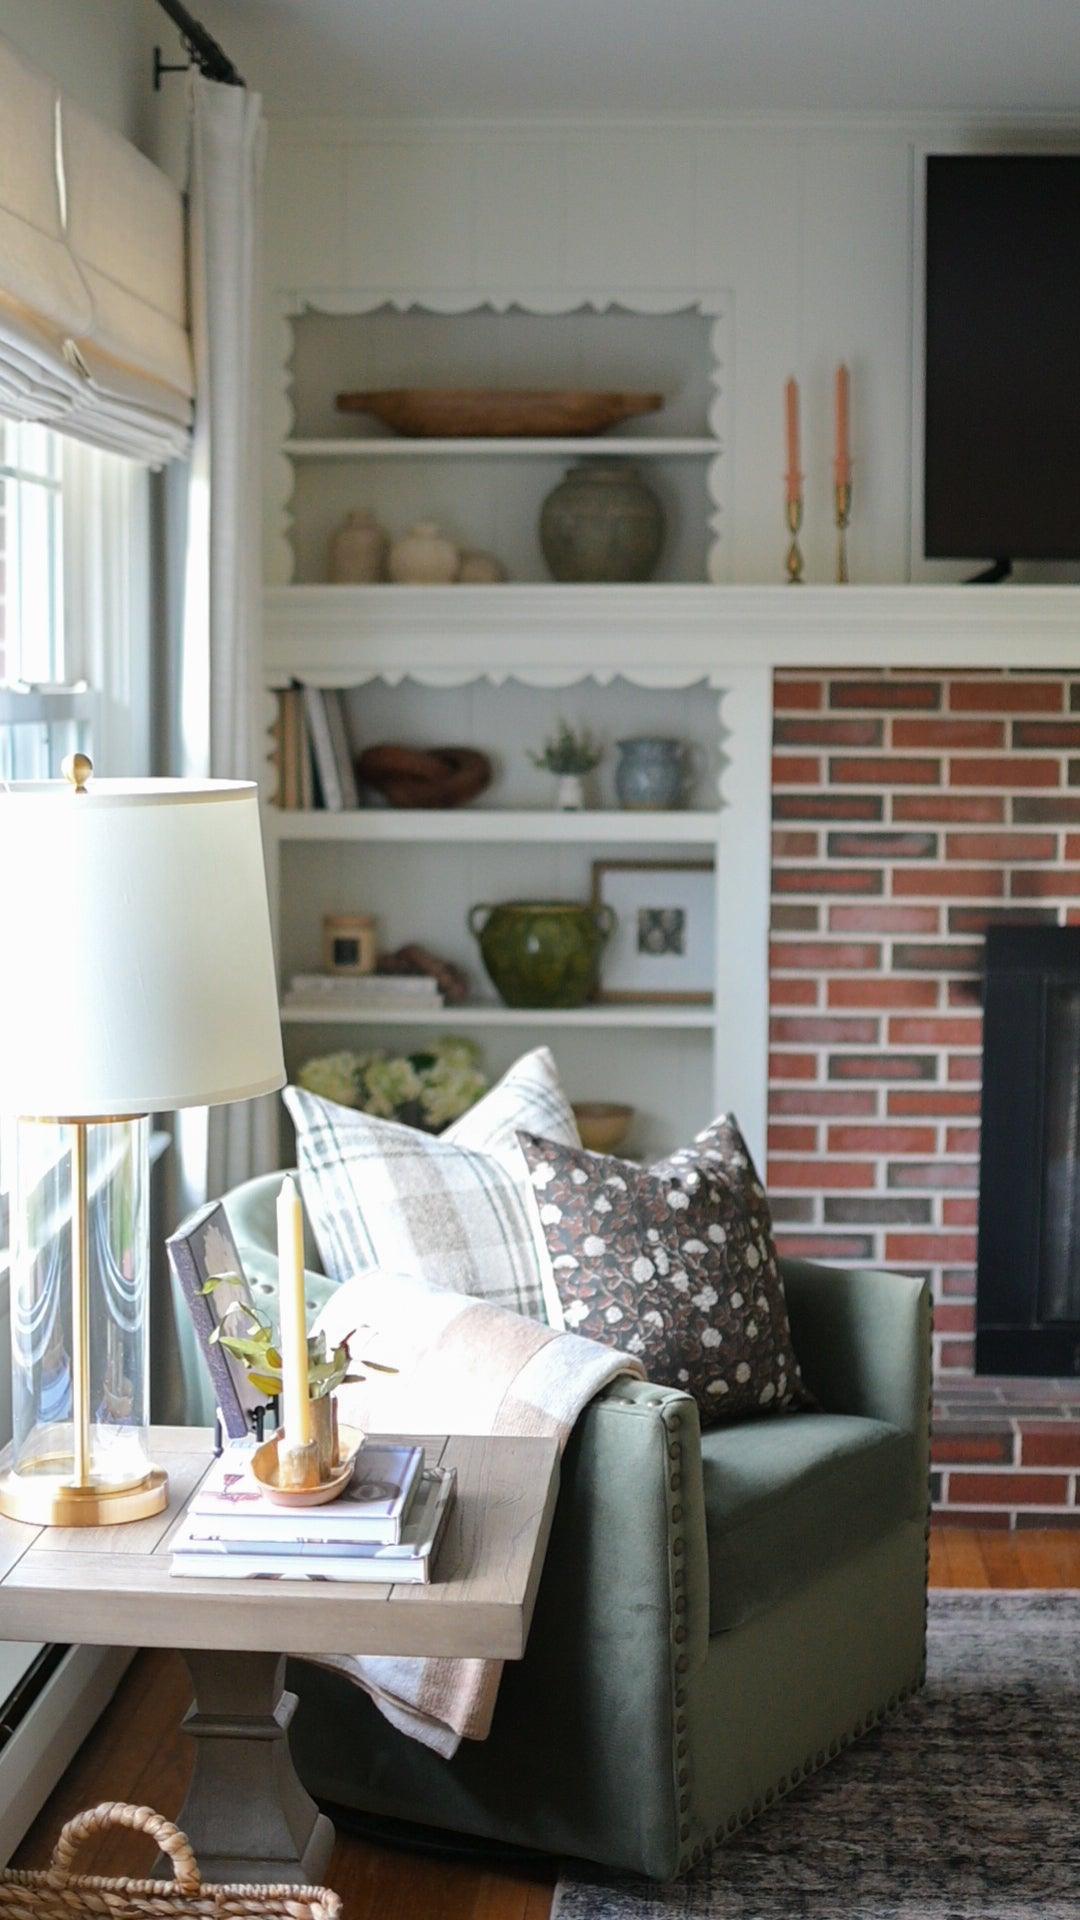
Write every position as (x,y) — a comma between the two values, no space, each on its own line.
(386,1526)
(311,751)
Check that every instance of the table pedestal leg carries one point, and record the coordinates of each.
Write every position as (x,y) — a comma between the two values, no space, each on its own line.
(246,1814)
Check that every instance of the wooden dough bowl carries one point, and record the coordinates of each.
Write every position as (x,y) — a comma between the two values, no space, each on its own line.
(463,413)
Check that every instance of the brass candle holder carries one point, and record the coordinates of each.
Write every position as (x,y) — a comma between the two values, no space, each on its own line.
(793,560)
(842,494)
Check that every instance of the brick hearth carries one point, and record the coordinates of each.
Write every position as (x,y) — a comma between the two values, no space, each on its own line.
(910,812)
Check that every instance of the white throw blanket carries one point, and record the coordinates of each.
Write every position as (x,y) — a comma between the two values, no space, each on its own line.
(464,1367)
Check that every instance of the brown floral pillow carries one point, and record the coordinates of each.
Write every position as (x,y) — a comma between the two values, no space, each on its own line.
(674,1262)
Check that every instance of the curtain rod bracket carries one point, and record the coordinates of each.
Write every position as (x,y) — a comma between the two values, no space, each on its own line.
(199,44)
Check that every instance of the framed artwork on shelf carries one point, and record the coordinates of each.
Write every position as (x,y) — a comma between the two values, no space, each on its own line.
(200,1250)
(663,948)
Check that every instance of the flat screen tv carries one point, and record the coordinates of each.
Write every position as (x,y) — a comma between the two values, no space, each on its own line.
(1002,478)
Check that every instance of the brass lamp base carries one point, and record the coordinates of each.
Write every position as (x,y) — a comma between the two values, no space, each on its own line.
(43,1501)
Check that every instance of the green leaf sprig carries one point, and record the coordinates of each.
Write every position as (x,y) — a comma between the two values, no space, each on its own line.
(258,1353)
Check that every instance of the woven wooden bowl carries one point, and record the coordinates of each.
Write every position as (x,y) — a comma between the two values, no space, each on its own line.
(481,413)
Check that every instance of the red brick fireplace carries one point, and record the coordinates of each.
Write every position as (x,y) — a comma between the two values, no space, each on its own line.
(910,812)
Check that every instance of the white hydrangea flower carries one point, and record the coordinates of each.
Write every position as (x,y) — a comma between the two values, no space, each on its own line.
(742,1373)
(767,1393)
(575,1313)
(593,1246)
(642,1269)
(717,1234)
(679,1281)
(652,1318)
(613,1314)
(710,1337)
(677,1201)
(602,1204)
(736,1300)
(565,1263)
(543,1175)
(717,1387)
(753,1257)
(694,1246)
(550,1214)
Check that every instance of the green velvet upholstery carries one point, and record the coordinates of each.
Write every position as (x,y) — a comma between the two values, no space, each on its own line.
(788,1497)
(718,1614)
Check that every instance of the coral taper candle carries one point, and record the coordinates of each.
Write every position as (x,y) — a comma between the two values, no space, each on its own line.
(843,404)
(794,463)
(292,1315)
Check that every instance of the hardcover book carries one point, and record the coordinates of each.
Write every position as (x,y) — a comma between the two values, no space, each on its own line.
(373,1507)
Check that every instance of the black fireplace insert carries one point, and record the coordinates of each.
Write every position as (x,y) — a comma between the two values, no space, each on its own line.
(1028,1299)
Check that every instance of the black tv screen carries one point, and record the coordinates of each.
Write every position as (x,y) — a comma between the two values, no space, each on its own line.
(1002,478)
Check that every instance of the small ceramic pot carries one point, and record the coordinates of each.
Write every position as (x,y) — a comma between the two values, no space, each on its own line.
(602,1124)
(602,523)
(542,953)
(570,793)
(358,550)
(480,569)
(424,557)
(650,776)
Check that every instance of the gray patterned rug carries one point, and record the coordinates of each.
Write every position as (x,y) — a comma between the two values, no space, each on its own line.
(965,1807)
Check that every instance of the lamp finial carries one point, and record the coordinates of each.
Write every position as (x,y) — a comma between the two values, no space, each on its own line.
(77,768)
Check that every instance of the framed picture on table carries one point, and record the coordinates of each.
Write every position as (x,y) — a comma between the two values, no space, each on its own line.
(663,948)
(201,1250)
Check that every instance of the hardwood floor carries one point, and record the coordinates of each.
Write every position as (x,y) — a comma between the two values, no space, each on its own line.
(136,1753)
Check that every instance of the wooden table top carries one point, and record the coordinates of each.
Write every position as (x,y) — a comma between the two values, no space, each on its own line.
(111,1586)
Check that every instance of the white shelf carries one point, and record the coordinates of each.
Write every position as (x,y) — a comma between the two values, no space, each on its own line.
(375,447)
(490,1014)
(478,825)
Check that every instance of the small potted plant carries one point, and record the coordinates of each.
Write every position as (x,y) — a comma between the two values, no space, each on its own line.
(570,756)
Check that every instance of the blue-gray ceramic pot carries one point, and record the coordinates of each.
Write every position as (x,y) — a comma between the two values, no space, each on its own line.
(651,774)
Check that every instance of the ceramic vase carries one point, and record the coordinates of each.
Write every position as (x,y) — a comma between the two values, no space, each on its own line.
(602,523)
(424,557)
(650,774)
(570,793)
(358,550)
(542,953)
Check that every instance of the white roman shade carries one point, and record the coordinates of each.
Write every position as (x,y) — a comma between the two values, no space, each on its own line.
(93,327)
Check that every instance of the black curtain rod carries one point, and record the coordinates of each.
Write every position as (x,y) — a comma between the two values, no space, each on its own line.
(208,56)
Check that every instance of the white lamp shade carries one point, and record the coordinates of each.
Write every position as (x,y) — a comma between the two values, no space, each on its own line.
(136,966)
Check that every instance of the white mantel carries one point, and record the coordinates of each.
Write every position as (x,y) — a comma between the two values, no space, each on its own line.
(662,636)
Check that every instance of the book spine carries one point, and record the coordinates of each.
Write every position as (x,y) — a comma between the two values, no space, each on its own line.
(318,720)
(339,734)
(222,1566)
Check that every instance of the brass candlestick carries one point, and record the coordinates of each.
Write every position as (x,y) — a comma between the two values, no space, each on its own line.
(843,517)
(793,560)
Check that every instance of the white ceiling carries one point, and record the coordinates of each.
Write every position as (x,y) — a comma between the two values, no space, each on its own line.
(575,57)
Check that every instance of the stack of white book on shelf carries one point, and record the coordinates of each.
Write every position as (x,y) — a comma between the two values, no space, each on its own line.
(363,993)
(385,1527)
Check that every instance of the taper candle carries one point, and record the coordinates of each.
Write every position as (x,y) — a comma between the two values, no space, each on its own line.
(292,1315)
(843,405)
(794,463)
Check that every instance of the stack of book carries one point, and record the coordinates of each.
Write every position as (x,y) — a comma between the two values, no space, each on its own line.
(386,1526)
(311,751)
(360,993)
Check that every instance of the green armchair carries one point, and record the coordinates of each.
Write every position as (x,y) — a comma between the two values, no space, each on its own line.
(719,1613)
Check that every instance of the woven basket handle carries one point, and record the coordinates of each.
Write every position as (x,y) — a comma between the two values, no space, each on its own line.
(114,1813)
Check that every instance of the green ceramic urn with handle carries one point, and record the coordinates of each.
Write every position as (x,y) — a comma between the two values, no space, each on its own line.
(542,953)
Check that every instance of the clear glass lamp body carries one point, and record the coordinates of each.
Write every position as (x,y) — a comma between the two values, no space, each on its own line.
(93,1375)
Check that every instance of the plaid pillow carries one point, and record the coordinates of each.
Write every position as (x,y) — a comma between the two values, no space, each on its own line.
(452,1210)
(675,1263)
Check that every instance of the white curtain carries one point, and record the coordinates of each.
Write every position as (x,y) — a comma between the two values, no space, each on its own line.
(220,678)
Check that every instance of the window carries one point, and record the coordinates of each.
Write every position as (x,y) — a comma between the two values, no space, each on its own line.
(74,659)
(31,550)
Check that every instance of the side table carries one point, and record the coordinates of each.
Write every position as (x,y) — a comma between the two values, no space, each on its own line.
(247,1814)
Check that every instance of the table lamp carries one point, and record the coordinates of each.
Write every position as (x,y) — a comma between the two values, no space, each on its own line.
(136,977)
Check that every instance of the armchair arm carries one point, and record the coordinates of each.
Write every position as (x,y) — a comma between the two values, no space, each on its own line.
(863,1343)
(633,1473)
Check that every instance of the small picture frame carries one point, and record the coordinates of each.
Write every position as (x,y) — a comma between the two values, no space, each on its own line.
(202,1249)
(663,949)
